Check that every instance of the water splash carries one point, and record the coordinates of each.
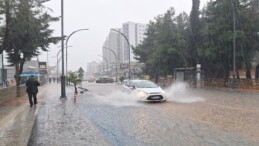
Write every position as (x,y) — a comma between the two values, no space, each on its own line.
(180,92)
(119,98)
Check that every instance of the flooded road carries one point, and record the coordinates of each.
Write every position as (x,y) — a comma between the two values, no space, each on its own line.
(189,117)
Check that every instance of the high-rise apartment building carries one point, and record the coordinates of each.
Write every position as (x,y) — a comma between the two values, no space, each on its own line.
(117,44)
(92,68)
(135,32)
(113,45)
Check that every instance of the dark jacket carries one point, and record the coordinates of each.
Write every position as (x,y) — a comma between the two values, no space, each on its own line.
(32,86)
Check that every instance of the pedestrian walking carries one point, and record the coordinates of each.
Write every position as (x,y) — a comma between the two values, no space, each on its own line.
(32,90)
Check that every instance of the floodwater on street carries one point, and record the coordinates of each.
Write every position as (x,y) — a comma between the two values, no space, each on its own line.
(189,117)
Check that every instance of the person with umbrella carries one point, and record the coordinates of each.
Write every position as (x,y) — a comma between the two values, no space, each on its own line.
(32,90)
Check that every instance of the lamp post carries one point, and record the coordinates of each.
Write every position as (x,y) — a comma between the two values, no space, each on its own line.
(234,47)
(3,76)
(63,87)
(115,60)
(129,47)
(59,58)
(101,62)
(106,61)
(67,42)
(58,61)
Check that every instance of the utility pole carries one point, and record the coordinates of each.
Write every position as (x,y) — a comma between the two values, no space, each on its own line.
(234,47)
(116,60)
(128,45)
(63,87)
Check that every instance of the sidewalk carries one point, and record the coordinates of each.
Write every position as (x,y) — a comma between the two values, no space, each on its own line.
(215,88)
(53,121)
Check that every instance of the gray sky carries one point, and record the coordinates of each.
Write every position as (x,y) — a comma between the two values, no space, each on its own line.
(99,16)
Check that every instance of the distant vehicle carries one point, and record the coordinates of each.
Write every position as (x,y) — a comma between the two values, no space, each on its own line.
(145,90)
(91,80)
(125,81)
(104,80)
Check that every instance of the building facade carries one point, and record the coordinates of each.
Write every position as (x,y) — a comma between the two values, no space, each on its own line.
(117,44)
(135,32)
(113,47)
(92,68)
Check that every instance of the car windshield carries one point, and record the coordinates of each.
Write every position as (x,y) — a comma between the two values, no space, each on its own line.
(145,84)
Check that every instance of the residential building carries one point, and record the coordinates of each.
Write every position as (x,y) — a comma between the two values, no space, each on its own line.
(113,45)
(92,68)
(117,44)
(135,32)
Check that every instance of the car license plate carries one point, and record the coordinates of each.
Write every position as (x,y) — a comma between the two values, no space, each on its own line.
(155,97)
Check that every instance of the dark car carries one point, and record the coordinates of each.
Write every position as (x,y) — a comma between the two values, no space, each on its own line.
(105,80)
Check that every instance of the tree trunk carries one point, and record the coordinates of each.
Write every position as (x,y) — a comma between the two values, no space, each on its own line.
(248,74)
(16,76)
(75,88)
(257,72)
(248,71)
(18,71)
(6,42)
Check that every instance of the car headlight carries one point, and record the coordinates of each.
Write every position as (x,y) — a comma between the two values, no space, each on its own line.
(163,92)
(142,93)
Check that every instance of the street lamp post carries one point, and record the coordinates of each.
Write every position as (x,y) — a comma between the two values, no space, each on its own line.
(129,47)
(63,87)
(59,58)
(58,61)
(67,42)
(101,63)
(234,47)
(115,60)
(3,76)
(106,61)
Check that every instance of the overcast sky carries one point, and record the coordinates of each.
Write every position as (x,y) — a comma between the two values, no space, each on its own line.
(99,16)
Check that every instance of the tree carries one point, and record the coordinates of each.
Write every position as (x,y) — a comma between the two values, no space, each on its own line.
(205,37)
(217,51)
(6,7)
(121,79)
(248,21)
(194,34)
(81,73)
(164,47)
(74,78)
(28,33)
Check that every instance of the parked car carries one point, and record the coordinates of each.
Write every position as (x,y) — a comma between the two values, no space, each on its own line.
(91,79)
(145,90)
(125,81)
(104,80)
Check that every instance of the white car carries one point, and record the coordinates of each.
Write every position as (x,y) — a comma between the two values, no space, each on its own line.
(145,90)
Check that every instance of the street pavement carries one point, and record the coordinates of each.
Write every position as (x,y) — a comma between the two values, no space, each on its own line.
(53,121)
(106,116)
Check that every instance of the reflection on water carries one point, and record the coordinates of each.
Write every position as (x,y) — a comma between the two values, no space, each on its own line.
(180,92)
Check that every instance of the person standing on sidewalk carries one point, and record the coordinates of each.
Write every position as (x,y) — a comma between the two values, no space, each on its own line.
(32,90)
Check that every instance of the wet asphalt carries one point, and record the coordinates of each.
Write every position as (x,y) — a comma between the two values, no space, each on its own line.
(106,116)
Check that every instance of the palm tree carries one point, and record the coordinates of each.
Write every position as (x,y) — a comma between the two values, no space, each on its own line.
(74,78)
